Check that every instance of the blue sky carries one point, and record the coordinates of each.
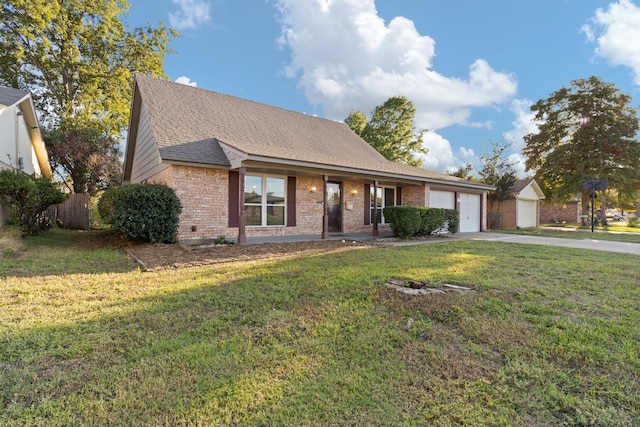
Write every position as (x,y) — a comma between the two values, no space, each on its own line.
(471,68)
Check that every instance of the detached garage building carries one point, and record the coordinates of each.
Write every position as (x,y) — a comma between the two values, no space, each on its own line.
(521,210)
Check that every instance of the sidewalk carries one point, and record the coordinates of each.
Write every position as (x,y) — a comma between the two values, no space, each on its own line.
(588,243)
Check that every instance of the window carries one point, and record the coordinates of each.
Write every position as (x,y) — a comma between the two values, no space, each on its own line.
(386,196)
(264,200)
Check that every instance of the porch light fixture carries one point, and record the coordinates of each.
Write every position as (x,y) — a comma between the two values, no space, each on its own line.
(354,191)
(312,189)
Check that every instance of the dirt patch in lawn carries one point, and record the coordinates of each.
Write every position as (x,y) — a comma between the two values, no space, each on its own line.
(152,257)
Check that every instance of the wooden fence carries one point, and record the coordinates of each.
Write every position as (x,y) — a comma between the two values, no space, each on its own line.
(74,213)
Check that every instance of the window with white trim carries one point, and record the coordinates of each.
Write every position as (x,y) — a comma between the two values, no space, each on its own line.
(265,200)
(386,196)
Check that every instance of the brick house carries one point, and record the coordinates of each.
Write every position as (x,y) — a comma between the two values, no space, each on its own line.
(520,210)
(241,168)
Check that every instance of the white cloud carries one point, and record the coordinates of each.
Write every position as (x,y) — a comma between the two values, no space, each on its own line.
(186,81)
(346,57)
(517,160)
(440,156)
(616,32)
(192,14)
(523,124)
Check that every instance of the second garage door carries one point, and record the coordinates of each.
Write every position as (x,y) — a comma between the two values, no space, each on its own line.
(469,213)
(469,208)
(527,214)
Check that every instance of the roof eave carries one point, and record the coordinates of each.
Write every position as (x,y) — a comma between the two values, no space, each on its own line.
(369,173)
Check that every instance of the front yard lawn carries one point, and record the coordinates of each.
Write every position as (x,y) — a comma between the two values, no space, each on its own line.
(551,336)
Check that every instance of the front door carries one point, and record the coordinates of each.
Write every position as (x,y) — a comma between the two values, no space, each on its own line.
(334,204)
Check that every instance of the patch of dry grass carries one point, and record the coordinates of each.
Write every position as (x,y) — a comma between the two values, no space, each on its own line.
(11,243)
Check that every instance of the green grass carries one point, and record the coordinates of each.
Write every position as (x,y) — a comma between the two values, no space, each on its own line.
(551,337)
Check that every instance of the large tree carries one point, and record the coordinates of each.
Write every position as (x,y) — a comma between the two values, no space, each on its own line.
(585,131)
(77,57)
(88,158)
(391,130)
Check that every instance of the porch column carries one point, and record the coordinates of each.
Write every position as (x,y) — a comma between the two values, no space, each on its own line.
(375,231)
(325,214)
(242,236)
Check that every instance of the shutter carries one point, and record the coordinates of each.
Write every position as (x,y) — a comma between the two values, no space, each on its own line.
(367,204)
(234,198)
(399,196)
(291,201)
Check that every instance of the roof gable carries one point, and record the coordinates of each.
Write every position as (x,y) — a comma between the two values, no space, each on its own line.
(10,96)
(23,103)
(527,189)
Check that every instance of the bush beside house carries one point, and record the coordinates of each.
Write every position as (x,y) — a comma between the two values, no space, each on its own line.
(145,212)
(413,221)
(27,198)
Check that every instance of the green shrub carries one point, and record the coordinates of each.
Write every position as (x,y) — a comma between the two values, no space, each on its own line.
(28,197)
(145,212)
(106,205)
(405,220)
(634,222)
(408,221)
(452,220)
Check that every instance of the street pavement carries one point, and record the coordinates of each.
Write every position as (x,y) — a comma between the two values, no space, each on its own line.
(590,243)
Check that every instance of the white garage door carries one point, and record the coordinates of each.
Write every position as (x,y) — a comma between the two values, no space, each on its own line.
(526,214)
(442,199)
(469,213)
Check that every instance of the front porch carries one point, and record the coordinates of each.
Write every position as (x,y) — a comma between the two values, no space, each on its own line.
(316,237)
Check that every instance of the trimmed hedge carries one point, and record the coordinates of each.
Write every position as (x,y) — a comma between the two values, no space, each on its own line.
(410,221)
(145,212)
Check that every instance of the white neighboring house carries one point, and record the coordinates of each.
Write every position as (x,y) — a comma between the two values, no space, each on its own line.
(21,144)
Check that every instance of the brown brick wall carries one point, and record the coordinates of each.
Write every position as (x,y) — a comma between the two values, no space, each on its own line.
(204,192)
(203,195)
(501,214)
(415,195)
(558,212)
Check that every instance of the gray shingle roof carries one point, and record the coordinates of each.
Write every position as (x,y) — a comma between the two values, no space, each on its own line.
(187,121)
(10,96)
(520,185)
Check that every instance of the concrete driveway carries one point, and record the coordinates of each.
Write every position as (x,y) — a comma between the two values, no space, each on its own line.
(592,243)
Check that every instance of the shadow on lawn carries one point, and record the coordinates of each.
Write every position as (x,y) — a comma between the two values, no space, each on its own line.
(61,252)
(254,344)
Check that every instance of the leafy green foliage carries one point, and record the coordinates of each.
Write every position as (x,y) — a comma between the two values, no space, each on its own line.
(633,222)
(497,170)
(80,57)
(391,130)
(408,221)
(145,212)
(437,219)
(29,197)
(90,159)
(107,205)
(585,131)
(405,221)
(464,172)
